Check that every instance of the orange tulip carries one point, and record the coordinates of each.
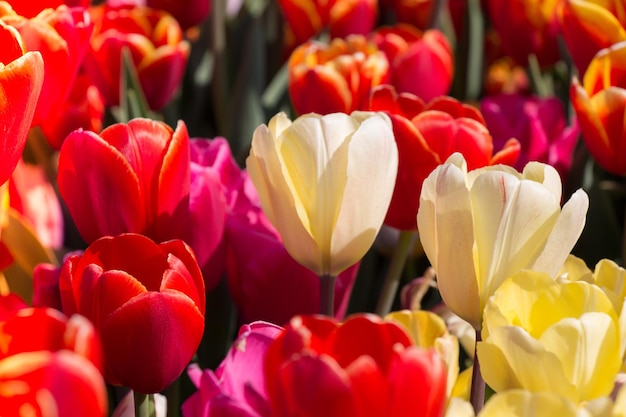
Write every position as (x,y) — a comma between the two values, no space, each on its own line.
(591,25)
(21,78)
(155,42)
(337,77)
(600,105)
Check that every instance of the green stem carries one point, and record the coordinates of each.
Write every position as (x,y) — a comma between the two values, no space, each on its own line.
(477,393)
(392,279)
(172,393)
(327,295)
(536,77)
(142,404)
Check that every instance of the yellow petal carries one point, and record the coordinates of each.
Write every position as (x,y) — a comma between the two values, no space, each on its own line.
(504,361)
(424,327)
(459,408)
(589,351)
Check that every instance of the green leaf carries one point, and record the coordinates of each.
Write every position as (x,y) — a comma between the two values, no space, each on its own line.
(132,99)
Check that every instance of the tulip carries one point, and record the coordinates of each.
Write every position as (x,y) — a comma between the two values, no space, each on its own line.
(426,135)
(599,105)
(337,77)
(538,124)
(527,27)
(49,364)
(21,78)
(363,367)
(589,26)
(147,302)
(238,385)
(305,19)
(83,109)
(155,42)
(62,37)
(315,178)
(419,13)
(570,330)
(151,186)
(481,227)
(421,63)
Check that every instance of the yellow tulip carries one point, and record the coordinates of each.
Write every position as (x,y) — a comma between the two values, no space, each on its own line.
(479,228)
(325,183)
(541,335)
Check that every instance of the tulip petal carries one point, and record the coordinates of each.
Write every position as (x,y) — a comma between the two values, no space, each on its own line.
(504,359)
(519,403)
(564,235)
(446,231)
(372,164)
(264,168)
(589,351)
(513,219)
(149,329)
(115,203)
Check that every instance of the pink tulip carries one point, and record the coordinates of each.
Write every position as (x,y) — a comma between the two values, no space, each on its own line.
(237,387)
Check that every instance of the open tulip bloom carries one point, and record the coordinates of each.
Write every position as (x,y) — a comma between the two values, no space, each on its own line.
(480,227)
(316,176)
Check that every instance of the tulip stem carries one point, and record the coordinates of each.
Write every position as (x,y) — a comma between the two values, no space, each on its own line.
(392,279)
(327,295)
(477,393)
(143,406)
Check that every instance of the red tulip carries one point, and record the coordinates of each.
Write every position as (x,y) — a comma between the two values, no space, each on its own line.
(83,109)
(305,19)
(527,27)
(589,26)
(426,136)
(260,271)
(53,358)
(421,63)
(418,13)
(147,302)
(61,36)
(337,77)
(155,42)
(361,368)
(21,78)
(600,105)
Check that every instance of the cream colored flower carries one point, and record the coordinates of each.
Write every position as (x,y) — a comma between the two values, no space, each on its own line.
(325,183)
(481,227)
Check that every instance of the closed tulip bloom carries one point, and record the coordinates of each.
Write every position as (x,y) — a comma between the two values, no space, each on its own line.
(186,13)
(155,42)
(21,78)
(589,26)
(420,63)
(147,302)
(481,227)
(600,103)
(315,177)
(569,330)
(337,77)
(362,367)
